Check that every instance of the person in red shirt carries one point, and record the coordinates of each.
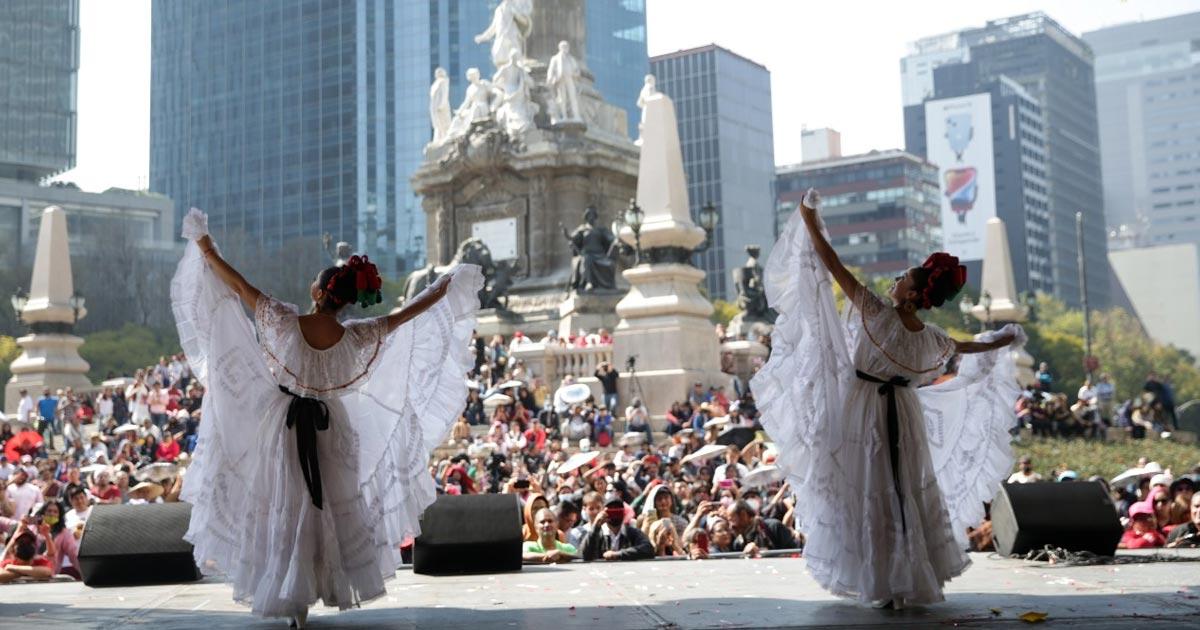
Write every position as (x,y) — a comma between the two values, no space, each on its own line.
(168,449)
(104,490)
(1142,532)
(21,558)
(535,436)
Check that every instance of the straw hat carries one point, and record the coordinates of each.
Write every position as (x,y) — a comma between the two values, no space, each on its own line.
(152,490)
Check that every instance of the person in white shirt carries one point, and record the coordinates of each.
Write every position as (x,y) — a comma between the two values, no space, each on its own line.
(1025,474)
(22,494)
(104,404)
(1087,393)
(25,407)
(96,451)
(81,509)
(136,395)
(6,469)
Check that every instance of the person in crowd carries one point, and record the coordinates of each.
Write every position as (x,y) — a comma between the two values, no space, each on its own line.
(593,505)
(1044,378)
(21,560)
(168,450)
(145,493)
(660,503)
(96,451)
(1106,396)
(753,534)
(103,488)
(47,408)
(157,401)
(474,412)
(136,398)
(1025,472)
(697,394)
(547,548)
(533,503)
(1188,534)
(24,408)
(608,383)
(1160,392)
(1143,531)
(81,509)
(611,538)
(65,559)
(665,538)
(602,422)
(637,419)
(22,493)
(148,451)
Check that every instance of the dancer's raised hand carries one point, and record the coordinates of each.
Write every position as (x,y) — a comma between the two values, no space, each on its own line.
(811,200)
(195,224)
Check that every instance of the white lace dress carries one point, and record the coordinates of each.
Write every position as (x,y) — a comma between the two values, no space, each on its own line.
(872,535)
(391,399)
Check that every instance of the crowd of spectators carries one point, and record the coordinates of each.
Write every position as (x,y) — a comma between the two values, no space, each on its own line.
(1096,408)
(66,452)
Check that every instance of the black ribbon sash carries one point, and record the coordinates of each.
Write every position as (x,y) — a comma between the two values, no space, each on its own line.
(888,388)
(307,416)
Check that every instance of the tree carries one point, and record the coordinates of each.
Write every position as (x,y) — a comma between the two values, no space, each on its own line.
(723,312)
(9,351)
(120,352)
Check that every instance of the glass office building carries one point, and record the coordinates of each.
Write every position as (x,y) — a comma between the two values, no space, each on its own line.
(1148,94)
(39,59)
(1055,68)
(290,119)
(723,108)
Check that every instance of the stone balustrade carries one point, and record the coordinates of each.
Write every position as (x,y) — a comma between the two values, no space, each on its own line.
(552,362)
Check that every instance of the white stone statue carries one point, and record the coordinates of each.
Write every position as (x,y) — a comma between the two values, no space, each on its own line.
(439,105)
(562,77)
(650,88)
(511,24)
(476,105)
(515,108)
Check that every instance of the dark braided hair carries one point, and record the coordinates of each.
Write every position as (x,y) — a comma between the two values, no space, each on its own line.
(339,288)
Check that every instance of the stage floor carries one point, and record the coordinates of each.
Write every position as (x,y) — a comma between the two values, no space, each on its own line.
(765,593)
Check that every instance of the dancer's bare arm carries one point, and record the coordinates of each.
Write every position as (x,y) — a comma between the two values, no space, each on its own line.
(420,305)
(812,221)
(227,273)
(973,347)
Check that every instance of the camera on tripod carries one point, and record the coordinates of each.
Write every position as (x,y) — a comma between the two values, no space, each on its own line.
(631,363)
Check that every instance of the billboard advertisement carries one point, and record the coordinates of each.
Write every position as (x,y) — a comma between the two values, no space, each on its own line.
(959,140)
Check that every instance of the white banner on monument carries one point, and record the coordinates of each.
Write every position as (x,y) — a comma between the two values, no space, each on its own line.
(958,137)
(500,235)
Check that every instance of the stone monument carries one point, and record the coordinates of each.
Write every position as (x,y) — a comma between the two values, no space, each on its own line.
(50,356)
(509,171)
(649,88)
(998,282)
(755,318)
(664,323)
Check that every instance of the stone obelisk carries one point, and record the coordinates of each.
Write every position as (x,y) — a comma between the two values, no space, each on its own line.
(51,352)
(998,282)
(664,317)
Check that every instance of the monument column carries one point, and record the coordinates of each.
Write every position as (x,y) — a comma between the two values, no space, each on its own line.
(664,317)
(51,352)
(998,283)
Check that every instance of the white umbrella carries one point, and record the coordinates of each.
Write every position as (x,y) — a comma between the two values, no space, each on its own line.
(705,452)
(495,400)
(511,384)
(578,460)
(574,394)
(128,426)
(632,438)
(93,468)
(762,476)
(158,472)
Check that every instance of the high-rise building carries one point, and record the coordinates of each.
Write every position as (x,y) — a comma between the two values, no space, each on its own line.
(287,120)
(1148,97)
(723,102)
(1009,181)
(881,208)
(39,60)
(1054,67)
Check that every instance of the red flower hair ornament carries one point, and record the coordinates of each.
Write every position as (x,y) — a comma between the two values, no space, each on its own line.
(367,282)
(946,278)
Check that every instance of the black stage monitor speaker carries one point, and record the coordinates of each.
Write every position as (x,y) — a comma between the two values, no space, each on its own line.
(137,544)
(1074,515)
(474,533)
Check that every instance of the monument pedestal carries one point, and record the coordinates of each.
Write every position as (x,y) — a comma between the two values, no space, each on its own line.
(495,321)
(665,327)
(49,361)
(588,311)
(751,328)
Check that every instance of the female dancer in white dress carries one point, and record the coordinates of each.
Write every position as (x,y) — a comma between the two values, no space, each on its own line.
(887,477)
(311,467)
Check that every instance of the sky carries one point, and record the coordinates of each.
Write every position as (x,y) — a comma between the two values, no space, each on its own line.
(833,64)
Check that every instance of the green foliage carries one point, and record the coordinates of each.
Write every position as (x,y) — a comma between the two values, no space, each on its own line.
(1107,459)
(1126,353)
(9,351)
(723,312)
(120,352)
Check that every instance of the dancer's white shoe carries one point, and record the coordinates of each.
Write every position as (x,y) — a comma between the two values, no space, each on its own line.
(299,620)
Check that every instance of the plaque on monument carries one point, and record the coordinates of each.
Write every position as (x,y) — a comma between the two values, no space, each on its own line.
(500,236)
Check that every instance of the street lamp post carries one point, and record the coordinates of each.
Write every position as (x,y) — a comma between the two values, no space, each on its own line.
(633,218)
(964,306)
(18,301)
(985,300)
(1083,298)
(709,218)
